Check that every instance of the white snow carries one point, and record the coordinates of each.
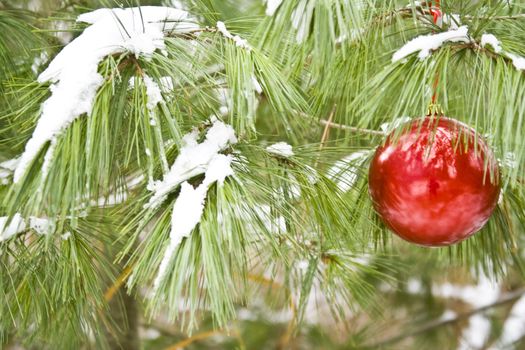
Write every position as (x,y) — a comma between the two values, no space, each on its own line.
(345,171)
(48,157)
(514,326)
(153,92)
(388,127)
(485,292)
(424,44)
(301,18)
(490,39)
(4,176)
(517,61)
(414,286)
(189,205)
(281,149)
(18,225)
(73,73)
(194,159)
(10,164)
(476,334)
(166,84)
(39,61)
(272,6)
(6,170)
(41,226)
(448,315)
(272,222)
(256,85)
(240,42)
(453,20)
(508,161)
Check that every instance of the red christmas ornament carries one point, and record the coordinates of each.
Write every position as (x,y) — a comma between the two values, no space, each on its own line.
(436,183)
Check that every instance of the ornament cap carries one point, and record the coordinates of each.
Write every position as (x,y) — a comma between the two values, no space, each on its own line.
(435,109)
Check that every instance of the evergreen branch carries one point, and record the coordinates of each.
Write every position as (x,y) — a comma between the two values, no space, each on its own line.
(497,18)
(474,45)
(192,34)
(505,299)
(330,124)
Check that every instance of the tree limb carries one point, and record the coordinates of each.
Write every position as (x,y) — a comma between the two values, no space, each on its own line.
(507,298)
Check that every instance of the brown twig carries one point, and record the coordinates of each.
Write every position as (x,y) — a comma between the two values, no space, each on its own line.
(110,293)
(183,343)
(341,126)
(351,128)
(326,131)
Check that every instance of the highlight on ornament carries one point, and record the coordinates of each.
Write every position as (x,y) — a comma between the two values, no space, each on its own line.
(434,182)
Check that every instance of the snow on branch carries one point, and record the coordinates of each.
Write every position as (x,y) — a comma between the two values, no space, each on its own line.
(73,73)
(272,6)
(345,172)
(281,149)
(240,42)
(153,91)
(490,39)
(6,170)
(17,225)
(424,44)
(194,159)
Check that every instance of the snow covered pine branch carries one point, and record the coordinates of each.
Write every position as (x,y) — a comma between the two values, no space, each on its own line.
(73,73)
(194,159)
(425,44)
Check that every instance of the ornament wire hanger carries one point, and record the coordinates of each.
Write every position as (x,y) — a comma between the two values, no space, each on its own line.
(434,108)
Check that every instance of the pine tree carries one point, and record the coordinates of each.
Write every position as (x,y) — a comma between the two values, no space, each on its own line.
(195,174)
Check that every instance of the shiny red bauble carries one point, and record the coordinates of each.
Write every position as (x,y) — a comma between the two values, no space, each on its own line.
(434,182)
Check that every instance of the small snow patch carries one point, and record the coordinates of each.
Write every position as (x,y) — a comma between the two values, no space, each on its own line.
(272,6)
(514,326)
(240,42)
(345,171)
(517,61)
(490,39)
(281,149)
(6,170)
(153,92)
(16,225)
(476,334)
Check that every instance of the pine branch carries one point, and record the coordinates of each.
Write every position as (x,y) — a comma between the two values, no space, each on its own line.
(330,124)
(497,18)
(505,299)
